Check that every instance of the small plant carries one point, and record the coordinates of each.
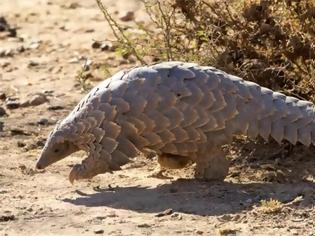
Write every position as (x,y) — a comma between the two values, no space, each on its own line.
(270,206)
(82,77)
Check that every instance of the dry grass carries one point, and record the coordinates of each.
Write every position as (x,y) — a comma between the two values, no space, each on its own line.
(83,76)
(266,41)
(270,206)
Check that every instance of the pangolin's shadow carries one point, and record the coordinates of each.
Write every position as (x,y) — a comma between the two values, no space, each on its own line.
(194,197)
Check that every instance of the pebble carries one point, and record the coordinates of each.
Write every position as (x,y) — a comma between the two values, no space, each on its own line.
(226,218)
(1,126)
(32,64)
(99,231)
(20,144)
(38,99)
(40,143)
(12,104)
(108,47)
(74,60)
(2,112)
(72,5)
(144,225)
(164,213)
(20,49)
(128,16)
(88,62)
(49,92)
(18,131)
(2,96)
(177,216)
(6,52)
(43,121)
(6,218)
(96,44)
(4,26)
(56,107)
(34,45)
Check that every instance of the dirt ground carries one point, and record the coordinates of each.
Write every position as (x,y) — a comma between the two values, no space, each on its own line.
(52,41)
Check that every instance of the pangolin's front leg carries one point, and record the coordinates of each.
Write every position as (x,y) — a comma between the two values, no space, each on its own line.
(90,167)
(211,165)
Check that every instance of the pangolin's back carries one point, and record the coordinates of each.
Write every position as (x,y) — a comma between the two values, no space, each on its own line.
(181,108)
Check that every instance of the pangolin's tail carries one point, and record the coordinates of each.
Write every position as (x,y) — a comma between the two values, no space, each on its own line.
(262,112)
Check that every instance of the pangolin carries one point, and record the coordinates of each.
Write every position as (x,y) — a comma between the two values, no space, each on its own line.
(182,111)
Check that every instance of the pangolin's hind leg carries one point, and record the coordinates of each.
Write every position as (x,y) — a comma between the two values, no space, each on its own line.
(170,161)
(211,165)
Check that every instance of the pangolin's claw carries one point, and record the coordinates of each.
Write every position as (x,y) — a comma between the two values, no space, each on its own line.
(74,173)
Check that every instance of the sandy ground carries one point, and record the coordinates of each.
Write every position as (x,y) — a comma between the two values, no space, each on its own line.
(56,37)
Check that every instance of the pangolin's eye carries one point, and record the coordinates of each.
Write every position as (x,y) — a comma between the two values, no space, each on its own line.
(56,150)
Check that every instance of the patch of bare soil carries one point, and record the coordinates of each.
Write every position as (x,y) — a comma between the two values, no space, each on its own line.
(43,45)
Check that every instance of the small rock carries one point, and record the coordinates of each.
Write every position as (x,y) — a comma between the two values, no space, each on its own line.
(74,60)
(99,231)
(2,96)
(32,64)
(2,112)
(6,218)
(56,107)
(20,144)
(43,121)
(1,126)
(226,218)
(6,52)
(144,225)
(177,216)
(12,104)
(96,44)
(17,131)
(40,143)
(164,213)
(4,65)
(20,49)
(100,217)
(34,45)
(12,32)
(48,92)
(38,99)
(107,46)
(89,30)
(5,27)
(128,16)
(88,62)
(73,5)
(3,24)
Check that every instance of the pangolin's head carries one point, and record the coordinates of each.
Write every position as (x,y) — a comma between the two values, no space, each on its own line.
(57,147)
